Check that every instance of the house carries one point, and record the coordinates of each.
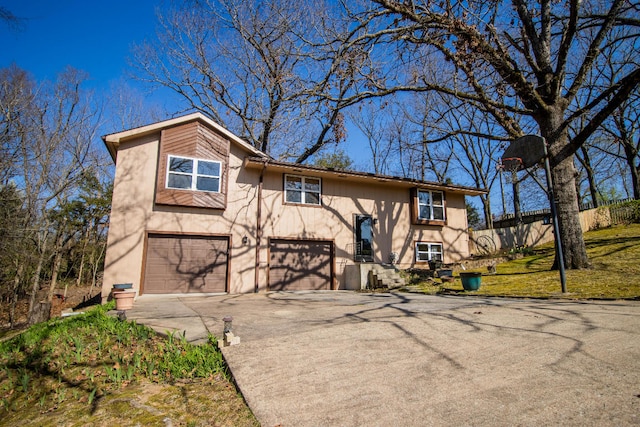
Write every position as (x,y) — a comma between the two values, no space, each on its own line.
(197,209)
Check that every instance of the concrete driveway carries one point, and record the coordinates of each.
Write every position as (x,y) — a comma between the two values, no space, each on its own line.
(352,359)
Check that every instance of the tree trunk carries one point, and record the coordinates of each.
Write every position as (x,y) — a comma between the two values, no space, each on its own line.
(573,246)
(593,189)
(630,155)
(35,287)
(488,216)
(16,291)
(57,258)
(82,257)
(516,197)
(57,261)
(504,200)
(40,313)
(563,173)
(635,181)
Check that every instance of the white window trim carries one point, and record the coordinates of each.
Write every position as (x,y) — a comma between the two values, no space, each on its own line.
(430,252)
(303,198)
(194,175)
(431,206)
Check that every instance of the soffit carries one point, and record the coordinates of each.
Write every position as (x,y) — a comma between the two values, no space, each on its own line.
(352,176)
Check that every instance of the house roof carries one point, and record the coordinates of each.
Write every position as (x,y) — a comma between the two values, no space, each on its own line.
(258,159)
(112,141)
(365,177)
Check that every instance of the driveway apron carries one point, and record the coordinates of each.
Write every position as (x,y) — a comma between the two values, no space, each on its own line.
(351,359)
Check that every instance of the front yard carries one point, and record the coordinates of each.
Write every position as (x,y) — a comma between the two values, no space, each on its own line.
(615,274)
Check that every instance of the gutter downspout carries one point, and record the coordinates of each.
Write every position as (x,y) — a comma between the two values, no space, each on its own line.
(259,227)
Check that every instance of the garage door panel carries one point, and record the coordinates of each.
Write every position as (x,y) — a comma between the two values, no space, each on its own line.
(300,265)
(183,264)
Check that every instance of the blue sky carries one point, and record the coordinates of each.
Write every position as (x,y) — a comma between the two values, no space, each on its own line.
(94,36)
(97,37)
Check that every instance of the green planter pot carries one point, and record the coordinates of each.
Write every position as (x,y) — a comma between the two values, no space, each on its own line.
(471,280)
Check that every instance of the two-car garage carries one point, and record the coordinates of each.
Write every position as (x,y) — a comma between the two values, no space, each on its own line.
(200,264)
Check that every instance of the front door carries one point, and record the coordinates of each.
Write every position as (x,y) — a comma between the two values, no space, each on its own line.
(364,238)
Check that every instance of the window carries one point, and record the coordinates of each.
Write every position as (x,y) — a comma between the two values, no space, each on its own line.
(430,205)
(300,189)
(428,252)
(193,174)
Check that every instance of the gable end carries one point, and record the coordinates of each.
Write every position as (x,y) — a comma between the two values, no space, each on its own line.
(192,140)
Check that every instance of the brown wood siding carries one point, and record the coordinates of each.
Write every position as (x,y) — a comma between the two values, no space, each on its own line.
(195,141)
(300,265)
(184,264)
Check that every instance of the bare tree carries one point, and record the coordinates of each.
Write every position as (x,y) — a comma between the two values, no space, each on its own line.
(51,129)
(528,60)
(598,165)
(12,21)
(601,151)
(624,127)
(277,73)
(16,103)
(426,115)
(376,123)
(127,108)
(477,150)
(243,63)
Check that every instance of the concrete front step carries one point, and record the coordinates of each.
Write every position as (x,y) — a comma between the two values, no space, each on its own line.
(385,276)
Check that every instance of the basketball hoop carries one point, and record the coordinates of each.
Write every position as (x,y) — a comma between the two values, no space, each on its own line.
(529,150)
(510,164)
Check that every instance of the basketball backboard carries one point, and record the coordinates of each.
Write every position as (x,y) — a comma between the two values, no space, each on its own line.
(529,149)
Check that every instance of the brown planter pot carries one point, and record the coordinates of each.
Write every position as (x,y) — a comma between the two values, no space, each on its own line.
(119,287)
(124,299)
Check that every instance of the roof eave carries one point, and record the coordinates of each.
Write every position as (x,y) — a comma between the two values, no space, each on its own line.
(112,141)
(363,176)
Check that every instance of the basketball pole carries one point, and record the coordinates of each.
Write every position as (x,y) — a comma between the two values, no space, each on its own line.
(554,215)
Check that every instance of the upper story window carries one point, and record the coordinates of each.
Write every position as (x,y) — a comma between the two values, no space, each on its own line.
(193,174)
(430,205)
(301,189)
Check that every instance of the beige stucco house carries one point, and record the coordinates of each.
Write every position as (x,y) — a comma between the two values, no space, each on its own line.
(197,209)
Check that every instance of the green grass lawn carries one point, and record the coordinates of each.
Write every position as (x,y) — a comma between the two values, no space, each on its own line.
(614,254)
(93,369)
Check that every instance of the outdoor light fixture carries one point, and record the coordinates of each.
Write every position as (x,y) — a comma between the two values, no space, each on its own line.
(227,324)
(229,337)
(245,240)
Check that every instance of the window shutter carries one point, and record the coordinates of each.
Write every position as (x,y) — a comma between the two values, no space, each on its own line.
(413,205)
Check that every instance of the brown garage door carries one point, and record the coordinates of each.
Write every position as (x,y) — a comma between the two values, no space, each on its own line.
(300,265)
(183,264)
